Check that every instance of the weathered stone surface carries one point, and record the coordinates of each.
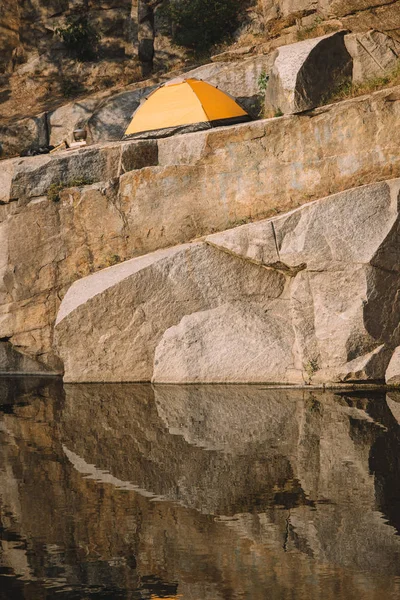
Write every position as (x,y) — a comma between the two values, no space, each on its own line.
(12,361)
(213,180)
(207,182)
(32,177)
(305,73)
(111,118)
(65,119)
(385,17)
(326,8)
(45,246)
(374,54)
(122,317)
(230,344)
(393,370)
(23,135)
(328,312)
(342,254)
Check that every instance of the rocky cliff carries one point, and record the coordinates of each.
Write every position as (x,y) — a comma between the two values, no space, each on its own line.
(168,210)
(259,303)
(198,184)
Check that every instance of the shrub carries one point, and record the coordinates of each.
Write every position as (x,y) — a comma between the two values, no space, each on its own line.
(199,24)
(80,38)
(70,88)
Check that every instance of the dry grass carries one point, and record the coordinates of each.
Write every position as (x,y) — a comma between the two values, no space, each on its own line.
(352,90)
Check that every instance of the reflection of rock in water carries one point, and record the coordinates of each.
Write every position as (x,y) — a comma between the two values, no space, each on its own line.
(385,460)
(219,450)
(99,421)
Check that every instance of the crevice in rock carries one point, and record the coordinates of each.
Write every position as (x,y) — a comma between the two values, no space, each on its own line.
(369,9)
(290,271)
(275,240)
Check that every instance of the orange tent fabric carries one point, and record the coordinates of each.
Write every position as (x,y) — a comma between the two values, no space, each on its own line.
(185,102)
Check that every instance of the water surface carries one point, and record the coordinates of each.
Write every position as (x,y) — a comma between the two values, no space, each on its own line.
(197,492)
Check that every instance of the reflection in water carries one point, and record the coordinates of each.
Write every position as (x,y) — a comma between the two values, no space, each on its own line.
(197,492)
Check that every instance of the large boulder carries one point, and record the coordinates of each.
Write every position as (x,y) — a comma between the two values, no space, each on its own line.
(110,324)
(305,73)
(25,134)
(374,54)
(342,254)
(311,296)
(68,117)
(230,343)
(111,118)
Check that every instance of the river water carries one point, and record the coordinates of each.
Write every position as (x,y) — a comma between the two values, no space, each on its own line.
(197,492)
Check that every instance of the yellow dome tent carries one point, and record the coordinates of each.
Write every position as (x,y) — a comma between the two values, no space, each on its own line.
(182,103)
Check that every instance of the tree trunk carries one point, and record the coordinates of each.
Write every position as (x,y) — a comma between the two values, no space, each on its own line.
(146,35)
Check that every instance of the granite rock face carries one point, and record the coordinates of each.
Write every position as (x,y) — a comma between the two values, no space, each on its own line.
(74,115)
(31,177)
(210,181)
(204,182)
(306,72)
(317,302)
(356,15)
(24,134)
(342,255)
(112,116)
(230,343)
(374,54)
(122,316)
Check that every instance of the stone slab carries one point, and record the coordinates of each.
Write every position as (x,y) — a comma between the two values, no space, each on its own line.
(31,177)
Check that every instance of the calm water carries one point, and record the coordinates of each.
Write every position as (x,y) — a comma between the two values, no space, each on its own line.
(197,493)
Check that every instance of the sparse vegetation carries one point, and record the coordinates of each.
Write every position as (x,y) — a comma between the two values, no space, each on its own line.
(112,260)
(200,24)
(70,88)
(278,113)
(311,367)
(309,32)
(238,222)
(351,90)
(263,82)
(80,38)
(54,191)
